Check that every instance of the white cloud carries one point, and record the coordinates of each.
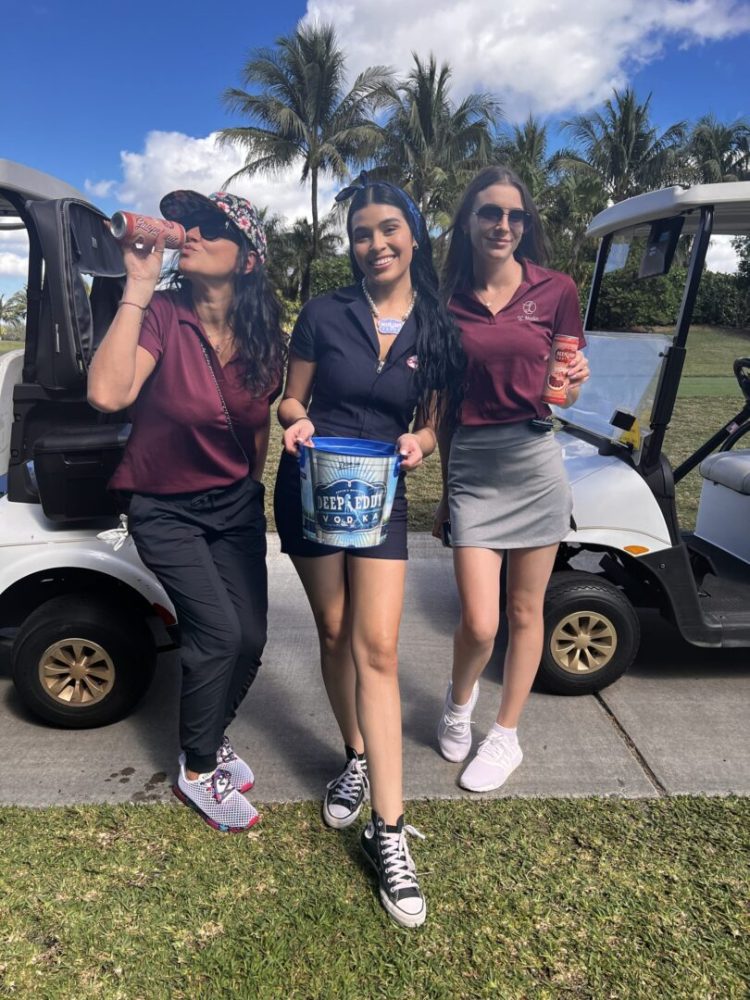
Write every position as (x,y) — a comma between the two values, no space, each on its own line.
(721,255)
(14,252)
(535,55)
(171,160)
(98,189)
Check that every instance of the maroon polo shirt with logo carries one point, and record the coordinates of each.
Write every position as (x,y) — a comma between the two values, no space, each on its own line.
(507,353)
(180,441)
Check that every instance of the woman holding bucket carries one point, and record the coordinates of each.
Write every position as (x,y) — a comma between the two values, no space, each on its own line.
(198,366)
(362,361)
(506,488)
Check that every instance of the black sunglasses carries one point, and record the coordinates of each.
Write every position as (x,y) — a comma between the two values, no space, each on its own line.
(492,215)
(213,227)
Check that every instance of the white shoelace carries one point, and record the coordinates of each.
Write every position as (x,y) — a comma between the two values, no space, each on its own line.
(349,783)
(400,869)
(460,724)
(495,748)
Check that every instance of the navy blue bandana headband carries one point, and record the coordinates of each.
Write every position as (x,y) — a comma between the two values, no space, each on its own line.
(415,216)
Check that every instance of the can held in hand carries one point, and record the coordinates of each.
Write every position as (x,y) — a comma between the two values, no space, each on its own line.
(561,356)
(142,231)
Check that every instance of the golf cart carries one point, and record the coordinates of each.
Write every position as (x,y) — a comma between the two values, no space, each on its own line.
(628,549)
(86,617)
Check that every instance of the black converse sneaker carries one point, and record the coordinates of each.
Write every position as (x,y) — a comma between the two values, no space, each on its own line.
(387,850)
(346,794)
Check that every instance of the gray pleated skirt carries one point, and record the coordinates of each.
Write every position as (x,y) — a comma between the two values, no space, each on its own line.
(507,488)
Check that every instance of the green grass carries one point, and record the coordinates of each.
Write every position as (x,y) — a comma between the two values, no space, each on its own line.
(10,345)
(527,899)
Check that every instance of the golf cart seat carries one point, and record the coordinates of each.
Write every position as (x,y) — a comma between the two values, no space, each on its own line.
(730,469)
(724,508)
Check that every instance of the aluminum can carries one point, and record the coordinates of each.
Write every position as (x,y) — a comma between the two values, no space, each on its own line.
(142,231)
(561,355)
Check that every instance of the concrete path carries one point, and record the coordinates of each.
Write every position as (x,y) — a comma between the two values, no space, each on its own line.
(678,722)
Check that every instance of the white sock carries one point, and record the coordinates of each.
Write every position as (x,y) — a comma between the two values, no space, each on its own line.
(510,734)
(459,709)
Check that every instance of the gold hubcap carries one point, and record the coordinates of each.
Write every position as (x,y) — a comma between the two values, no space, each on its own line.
(583,643)
(76,672)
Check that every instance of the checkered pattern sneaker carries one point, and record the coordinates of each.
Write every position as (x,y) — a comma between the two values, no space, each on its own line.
(454,728)
(346,794)
(216,800)
(387,850)
(243,778)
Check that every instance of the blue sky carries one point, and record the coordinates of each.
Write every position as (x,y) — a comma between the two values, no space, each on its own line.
(120,100)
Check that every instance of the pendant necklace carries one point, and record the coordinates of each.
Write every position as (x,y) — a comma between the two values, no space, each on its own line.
(387,326)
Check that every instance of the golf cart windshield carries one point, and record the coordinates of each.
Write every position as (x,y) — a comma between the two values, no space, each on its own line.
(644,269)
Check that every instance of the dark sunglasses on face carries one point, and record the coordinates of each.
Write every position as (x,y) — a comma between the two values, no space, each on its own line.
(492,215)
(213,227)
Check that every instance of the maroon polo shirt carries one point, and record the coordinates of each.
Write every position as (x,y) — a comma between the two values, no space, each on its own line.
(180,441)
(507,353)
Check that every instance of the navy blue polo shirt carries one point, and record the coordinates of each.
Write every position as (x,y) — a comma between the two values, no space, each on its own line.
(354,394)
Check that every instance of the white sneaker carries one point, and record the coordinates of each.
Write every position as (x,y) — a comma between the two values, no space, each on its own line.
(495,761)
(454,729)
(216,800)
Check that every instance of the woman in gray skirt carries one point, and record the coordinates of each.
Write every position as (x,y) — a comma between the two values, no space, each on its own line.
(505,485)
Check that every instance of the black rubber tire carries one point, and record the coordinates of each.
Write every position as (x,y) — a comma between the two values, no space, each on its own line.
(570,593)
(121,632)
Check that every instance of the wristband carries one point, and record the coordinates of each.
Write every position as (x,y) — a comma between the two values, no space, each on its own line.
(297,421)
(124,303)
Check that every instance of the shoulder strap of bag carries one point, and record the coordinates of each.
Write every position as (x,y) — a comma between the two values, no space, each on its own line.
(228,419)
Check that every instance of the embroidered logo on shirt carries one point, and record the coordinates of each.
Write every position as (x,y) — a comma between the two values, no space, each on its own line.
(529,310)
(413,362)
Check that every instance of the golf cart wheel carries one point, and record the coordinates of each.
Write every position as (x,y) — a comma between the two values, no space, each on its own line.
(591,634)
(80,662)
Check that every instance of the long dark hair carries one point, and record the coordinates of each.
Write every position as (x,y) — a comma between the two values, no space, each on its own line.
(255,318)
(459,264)
(442,362)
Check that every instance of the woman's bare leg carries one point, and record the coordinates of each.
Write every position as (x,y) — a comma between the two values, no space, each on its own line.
(478,581)
(324,580)
(376,593)
(529,571)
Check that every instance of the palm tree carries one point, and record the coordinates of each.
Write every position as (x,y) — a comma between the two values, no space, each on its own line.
(717,152)
(524,150)
(623,148)
(13,314)
(430,144)
(301,112)
(576,197)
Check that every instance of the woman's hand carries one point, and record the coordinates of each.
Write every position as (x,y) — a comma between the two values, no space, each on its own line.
(442,515)
(410,451)
(579,371)
(143,269)
(298,433)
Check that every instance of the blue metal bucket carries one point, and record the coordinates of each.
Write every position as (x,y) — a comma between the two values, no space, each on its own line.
(348,486)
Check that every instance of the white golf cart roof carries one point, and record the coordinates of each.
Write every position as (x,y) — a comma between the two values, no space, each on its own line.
(731,203)
(31,185)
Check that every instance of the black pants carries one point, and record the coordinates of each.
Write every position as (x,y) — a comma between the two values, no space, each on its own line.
(208,551)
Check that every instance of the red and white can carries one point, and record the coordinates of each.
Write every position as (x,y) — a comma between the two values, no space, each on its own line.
(561,356)
(142,231)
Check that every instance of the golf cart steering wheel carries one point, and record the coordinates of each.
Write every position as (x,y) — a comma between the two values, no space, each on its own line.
(742,374)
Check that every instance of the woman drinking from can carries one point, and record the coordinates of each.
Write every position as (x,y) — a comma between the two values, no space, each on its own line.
(362,360)
(505,485)
(198,366)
